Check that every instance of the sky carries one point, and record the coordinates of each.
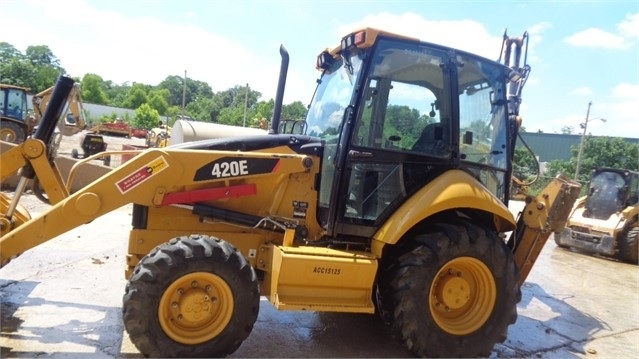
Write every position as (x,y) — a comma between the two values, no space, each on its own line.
(580,52)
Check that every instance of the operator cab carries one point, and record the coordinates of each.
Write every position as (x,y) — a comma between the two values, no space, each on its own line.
(393,114)
(13,102)
(610,191)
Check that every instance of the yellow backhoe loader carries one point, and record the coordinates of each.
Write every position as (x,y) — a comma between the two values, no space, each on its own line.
(18,123)
(392,201)
(74,116)
(15,124)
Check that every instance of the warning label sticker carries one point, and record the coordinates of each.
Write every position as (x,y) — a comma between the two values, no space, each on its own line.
(142,174)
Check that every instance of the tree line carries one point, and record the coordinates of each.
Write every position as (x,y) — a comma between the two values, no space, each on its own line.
(38,69)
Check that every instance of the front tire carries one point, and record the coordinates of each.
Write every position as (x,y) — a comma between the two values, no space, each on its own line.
(194,296)
(629,245)
(450,290)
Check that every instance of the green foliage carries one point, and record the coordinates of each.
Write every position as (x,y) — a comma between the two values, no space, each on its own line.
(108,118)
(525,167)
(194,90)
(116,93)
(598,152)
(406,124)
(41,55)
(146,117)
(136,97)
(18,73)
(292,111)
(8,52)
(38,69)
(157,100)
(92,90)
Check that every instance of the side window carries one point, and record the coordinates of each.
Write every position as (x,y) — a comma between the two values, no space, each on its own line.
(401,116)
(2,104)
(482,116)
(14,104)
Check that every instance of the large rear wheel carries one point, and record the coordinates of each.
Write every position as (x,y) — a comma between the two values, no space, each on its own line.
(195,296)
(12,132)
(450,290)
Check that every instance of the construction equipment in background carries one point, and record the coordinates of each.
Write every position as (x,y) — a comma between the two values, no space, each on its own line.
(606,220)
(116,128)
(158,136)
(15,124)
(365,212)
(74,118)
(92,144)
(18,123)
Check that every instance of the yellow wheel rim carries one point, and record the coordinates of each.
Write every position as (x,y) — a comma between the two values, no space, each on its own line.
(196,308)
(462,296)
(7,135)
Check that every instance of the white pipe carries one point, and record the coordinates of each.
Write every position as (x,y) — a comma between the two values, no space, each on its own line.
(187,131)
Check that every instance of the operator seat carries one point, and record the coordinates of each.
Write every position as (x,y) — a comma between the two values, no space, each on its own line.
(431,141)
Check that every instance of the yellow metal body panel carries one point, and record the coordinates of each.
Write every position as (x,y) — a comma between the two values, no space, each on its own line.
(153,174)
(543,215)
(453,189)
(611,226)
(320,279)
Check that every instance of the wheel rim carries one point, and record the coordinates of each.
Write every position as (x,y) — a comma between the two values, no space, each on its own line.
(196,308)
(8,135)
(463,295)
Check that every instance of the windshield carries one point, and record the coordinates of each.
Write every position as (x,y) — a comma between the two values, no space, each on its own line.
(326,113)
(333,95)
(604,195)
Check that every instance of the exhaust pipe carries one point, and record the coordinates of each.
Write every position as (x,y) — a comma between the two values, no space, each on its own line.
(279,96)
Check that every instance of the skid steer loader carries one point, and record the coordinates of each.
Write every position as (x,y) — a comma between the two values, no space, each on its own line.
(606,219)
(393,201)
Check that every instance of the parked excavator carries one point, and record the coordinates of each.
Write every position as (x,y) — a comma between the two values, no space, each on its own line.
(364,212)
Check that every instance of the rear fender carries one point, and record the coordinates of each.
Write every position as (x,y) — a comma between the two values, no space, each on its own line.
(454,189)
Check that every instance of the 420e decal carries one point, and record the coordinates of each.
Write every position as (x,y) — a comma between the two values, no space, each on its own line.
(230,167)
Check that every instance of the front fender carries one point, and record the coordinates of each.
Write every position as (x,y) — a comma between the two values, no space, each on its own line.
(454,189)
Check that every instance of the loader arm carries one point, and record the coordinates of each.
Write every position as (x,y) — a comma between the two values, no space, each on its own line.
(543,215)
(153,178)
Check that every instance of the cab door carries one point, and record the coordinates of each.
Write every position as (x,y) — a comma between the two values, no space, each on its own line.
(400,141)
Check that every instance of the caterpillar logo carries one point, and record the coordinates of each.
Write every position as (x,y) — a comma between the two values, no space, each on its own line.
(233,167)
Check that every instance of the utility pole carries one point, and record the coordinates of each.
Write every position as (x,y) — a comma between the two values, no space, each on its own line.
(184,94)
(583,137)
(245,104)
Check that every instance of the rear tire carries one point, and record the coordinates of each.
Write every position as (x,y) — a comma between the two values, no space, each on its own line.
(194,296)
(629,245)
(11,132)
(450,290)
